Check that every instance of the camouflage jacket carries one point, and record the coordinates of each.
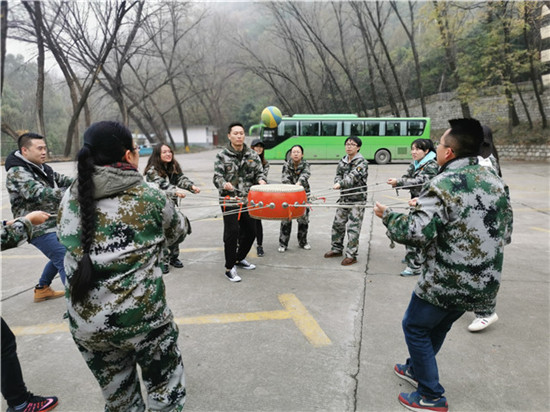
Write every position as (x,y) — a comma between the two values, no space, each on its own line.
(16,233)
(299,174)
(134,223)
(352,174)
(416,177)
(169,183)
(242,169)
(265,168)
(462,221)
(34,188)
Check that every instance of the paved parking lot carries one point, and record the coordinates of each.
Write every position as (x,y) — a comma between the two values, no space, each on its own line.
(303,333)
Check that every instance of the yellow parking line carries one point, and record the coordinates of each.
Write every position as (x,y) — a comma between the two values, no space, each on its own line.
(294,309)
(540,229)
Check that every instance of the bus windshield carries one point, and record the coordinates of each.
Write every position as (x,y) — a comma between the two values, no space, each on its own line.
(323,136)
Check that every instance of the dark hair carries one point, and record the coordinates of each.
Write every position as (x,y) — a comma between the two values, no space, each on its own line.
(104,143)
(232,125)
(287,155)
(488,147)
(25,139)
(163,169)
(465,138)
(258,142)
(354,139)
(424,144)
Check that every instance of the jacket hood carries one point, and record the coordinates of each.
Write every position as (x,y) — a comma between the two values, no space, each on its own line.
(357,156)
(109,181)
(16,159)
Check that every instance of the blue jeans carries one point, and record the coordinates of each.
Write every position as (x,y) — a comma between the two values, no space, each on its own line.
(425,327)
(55,251)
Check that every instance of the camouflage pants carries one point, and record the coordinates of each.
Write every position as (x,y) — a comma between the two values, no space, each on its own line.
(286,228)
(353,218)
(114,365)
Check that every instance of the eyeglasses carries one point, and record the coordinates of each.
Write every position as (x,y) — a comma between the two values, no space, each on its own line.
(351,144)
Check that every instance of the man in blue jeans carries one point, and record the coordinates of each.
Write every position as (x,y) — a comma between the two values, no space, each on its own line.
(33,185)
(462,220)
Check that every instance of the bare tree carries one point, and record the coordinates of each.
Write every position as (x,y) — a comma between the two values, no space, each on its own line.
(441,10)
(410,32)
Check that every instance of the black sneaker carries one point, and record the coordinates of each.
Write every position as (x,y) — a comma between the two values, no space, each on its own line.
(244,264)
(37,404)
(232,275)
(176,263)
(260,251)
(165,268)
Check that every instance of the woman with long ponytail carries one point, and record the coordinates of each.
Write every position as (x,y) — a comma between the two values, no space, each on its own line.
(115,226)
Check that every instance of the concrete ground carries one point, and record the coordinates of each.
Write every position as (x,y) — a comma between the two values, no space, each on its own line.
(303,333)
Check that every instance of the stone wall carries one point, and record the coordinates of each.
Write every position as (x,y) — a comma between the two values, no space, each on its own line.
(487,109)
(519,152)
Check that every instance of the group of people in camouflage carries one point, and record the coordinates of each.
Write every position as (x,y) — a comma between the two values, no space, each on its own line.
(117,233)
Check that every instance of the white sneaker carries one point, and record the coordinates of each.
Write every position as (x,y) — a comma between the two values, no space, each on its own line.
(232,275)
(281,249)
(244,264)
(307,246)
(481,323)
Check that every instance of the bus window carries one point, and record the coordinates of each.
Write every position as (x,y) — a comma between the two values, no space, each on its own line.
(353,129)
(309,128)
(372,128)
(287,129)
(331,129)
(393,128)
(416,128)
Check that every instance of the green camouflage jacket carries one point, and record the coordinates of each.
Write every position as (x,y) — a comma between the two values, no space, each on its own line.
(417,177)
(16,233)
(300,174)
(33,188)
(169,183)
(462,221)
(352,174)
(242,169)
(134,223)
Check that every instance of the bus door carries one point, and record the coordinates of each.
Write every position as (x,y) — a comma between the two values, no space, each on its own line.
(313,144)
(331,133)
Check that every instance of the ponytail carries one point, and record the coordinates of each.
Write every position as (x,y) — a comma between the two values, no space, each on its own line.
(83,279)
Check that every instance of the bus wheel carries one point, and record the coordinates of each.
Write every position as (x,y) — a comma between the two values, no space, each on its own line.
(382,157)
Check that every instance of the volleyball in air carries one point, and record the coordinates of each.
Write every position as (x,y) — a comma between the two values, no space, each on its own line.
(271,117)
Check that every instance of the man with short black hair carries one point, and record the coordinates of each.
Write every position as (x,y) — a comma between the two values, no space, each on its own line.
(462,220)
(236,169)
(351,180)
(33,185)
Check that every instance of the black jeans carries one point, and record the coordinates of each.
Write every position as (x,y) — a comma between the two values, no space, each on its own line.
(238,235)
(13,388)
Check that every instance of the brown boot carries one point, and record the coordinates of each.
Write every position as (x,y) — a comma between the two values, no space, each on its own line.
(46,292)
(332,253)
(348,261)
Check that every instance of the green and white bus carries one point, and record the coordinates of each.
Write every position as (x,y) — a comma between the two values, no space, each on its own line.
(322,136)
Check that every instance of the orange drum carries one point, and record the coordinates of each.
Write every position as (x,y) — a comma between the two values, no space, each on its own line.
(276,202)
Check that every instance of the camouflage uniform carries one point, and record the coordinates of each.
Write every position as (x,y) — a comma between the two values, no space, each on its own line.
(462,221)
(32,187)
(125,320)
(16,233)
(170,184)
(243,170)
(292,175)
(416,176)
(349,175)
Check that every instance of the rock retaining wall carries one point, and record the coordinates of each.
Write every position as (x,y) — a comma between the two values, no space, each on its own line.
(519,152)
